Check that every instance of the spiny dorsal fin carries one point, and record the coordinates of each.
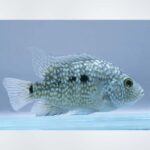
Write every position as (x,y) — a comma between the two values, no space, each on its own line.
(42,62)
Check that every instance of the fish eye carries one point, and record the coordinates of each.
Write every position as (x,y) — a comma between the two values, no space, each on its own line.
(128,83)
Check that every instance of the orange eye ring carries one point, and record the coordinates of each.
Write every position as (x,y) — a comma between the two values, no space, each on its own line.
(128,83)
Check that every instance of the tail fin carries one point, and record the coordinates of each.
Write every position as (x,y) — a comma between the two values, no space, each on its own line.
(18,92)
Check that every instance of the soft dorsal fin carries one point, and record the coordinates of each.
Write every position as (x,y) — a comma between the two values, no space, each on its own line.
(42,62)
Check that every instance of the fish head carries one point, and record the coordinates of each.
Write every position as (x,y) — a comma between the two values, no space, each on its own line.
(124,90)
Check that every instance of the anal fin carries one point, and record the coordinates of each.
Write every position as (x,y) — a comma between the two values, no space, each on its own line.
(44,108)
(40,108)
(55,111)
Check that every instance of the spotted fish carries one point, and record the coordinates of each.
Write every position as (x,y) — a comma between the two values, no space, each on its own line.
(76,82)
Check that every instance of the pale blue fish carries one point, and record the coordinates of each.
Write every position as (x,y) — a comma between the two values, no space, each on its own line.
(76,82)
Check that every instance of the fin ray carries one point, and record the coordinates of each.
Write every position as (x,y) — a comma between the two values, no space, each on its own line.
(40,108)
(44,108)
(42,62)
(18,92)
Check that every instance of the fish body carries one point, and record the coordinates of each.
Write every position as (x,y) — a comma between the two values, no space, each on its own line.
(77,82)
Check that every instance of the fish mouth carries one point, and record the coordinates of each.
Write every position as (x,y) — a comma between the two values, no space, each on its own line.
(141,92)
(140,95)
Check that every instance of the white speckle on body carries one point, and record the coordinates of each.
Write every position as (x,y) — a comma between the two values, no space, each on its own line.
(76,82)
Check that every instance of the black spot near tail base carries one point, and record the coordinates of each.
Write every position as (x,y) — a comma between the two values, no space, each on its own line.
(31,89)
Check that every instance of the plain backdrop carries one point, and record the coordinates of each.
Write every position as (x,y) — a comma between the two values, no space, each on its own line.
(75,9)
(124,43)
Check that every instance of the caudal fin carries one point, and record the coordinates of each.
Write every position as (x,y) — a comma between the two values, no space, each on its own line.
(18,92)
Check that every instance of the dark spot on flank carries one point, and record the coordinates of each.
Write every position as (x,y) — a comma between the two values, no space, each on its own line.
(71,79)
(84,78)
(31,89)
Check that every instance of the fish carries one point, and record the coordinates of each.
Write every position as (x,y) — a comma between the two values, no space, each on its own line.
(81,83)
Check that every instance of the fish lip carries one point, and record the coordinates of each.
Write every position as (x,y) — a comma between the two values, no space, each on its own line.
(142,92)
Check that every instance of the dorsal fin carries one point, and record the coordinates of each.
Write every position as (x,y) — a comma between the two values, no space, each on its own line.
(42,62)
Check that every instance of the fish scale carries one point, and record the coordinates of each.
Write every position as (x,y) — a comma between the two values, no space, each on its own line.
(72,93)
(75,82)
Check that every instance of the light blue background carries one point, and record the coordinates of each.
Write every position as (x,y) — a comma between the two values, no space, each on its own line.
(124,43)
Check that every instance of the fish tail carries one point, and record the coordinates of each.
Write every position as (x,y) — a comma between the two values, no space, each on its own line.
(18,92)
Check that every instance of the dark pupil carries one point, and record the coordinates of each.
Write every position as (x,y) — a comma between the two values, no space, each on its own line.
(129,83)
